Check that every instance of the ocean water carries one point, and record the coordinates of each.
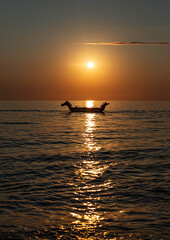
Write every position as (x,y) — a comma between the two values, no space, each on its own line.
(83,175)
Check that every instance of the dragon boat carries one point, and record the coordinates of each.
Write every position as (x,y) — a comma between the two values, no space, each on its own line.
(85,109)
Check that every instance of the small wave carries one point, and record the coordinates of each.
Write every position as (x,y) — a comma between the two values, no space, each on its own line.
(15,123)
(140,111)
(114,231)
(28,110)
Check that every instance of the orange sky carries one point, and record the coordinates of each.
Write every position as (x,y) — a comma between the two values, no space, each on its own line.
(46,46)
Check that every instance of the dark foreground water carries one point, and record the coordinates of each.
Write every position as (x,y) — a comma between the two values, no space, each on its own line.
(84,176)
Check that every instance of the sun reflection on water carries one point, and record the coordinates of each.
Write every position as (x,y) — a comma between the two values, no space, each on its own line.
(86,214)
(89,142)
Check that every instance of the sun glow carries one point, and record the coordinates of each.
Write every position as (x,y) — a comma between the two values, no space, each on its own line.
(90,64)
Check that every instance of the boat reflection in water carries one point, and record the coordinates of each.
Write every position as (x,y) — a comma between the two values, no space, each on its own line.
(87,214)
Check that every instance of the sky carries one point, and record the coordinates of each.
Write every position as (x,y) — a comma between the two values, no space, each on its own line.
(45,47)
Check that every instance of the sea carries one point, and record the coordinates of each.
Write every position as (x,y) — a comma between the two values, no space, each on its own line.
(84,175)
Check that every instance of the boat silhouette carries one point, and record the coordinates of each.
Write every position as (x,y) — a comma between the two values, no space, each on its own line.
(85,109)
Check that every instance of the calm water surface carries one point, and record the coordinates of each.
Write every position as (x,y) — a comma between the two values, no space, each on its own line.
(83,175)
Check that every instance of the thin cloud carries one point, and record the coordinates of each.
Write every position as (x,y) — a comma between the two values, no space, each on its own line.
(126,43)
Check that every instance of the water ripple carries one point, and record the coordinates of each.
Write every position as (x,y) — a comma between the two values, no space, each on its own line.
(85,176)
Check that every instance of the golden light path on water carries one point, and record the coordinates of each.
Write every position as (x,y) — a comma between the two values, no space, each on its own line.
(90,169)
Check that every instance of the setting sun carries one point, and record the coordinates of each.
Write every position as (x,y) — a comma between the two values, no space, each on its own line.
(90,64)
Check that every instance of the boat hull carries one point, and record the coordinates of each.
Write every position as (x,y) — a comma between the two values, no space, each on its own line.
(87,110)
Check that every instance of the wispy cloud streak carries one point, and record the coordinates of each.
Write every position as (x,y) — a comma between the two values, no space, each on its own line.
(126,43)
